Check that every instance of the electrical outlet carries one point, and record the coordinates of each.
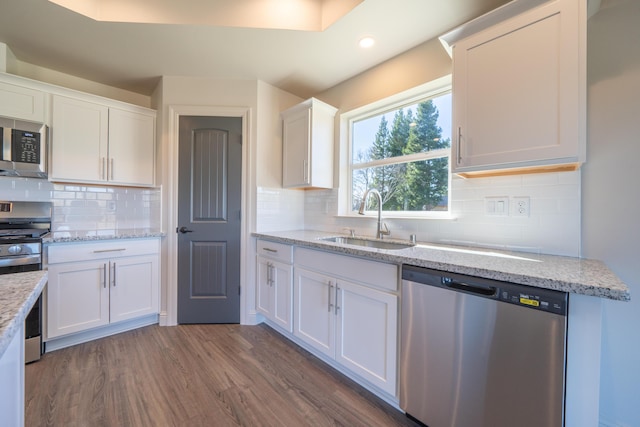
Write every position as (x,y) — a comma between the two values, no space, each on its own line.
(497,206)
(521,206)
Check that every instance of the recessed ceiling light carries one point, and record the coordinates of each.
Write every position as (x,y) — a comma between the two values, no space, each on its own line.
(366,42)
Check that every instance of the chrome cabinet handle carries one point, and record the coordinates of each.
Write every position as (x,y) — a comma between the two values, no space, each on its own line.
(336,306)
(273,251)
(103,168)
(305,171)
(104,275)
(329,295)
(268,274)
(111,169)
(114,274)
(109,250)
(459,156)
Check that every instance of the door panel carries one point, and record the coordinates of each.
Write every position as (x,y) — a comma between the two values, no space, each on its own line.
(134,287)
(314,310)
(210,162)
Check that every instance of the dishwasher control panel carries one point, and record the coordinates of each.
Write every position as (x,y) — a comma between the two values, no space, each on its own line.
(541,299)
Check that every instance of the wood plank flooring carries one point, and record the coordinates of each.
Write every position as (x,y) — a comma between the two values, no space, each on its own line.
(196,375)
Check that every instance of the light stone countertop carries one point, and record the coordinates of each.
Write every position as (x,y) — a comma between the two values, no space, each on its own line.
(18,293)
(66,236)
(568,274)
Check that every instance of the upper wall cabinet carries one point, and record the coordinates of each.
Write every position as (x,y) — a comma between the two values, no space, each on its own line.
(519,90)
(307,145)
(95,143)
(21,103)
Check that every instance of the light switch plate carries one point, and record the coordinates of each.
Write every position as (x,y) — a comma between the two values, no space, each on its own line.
(497,206)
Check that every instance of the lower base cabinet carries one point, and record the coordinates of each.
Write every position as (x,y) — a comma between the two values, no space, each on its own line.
(274,283)
(351,318)
(96,284)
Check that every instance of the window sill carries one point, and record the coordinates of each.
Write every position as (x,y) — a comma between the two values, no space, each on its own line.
(399,216)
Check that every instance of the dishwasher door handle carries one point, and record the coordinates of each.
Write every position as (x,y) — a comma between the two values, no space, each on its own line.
(486,291)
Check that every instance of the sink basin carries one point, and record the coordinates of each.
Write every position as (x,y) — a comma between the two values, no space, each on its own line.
(378,244)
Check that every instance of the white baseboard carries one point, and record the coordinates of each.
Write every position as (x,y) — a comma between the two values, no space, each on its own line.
(609,423)
(105,331)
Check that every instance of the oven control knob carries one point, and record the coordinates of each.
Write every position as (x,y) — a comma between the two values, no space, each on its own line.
(15,249)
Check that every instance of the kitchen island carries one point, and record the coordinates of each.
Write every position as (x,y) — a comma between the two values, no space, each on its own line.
(18,293)
(586,281)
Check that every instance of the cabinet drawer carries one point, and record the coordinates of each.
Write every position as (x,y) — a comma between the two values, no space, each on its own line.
(370,273)
(276,251)
(70,252)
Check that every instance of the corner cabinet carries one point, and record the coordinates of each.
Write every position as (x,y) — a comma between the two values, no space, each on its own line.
(349,313)
(98,284)
(19,102)
(519,91)
(97,143)
(307,145)
(275,283)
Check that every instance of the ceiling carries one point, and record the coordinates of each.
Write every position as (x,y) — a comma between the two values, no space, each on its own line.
(133,56)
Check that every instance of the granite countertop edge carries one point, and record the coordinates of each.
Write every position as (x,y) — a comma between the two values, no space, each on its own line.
(92,236)
(18,294)
(568,274)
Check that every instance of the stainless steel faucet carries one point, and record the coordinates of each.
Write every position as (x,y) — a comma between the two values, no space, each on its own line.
(379,232)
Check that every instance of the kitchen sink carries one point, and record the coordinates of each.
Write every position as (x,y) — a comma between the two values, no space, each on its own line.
(378,244)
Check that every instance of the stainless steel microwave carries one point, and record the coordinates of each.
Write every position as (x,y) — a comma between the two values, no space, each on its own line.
(24,151)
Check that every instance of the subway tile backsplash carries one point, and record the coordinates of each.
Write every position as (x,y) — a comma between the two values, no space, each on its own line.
(88,208)
(552,227)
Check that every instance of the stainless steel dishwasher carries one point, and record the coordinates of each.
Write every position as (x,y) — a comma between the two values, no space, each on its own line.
(481,353)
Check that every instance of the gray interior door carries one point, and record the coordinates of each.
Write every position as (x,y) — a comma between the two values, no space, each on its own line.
(209,186)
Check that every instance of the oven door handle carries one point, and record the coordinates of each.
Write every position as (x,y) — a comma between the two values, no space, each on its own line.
(21,260)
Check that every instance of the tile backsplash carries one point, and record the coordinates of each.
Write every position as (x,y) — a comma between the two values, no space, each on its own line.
(552,227)
(102,209)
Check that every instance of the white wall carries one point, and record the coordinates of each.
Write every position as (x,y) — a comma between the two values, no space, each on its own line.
(276,208)
(611,197)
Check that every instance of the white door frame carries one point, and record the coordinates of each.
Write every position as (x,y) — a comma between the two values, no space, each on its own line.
(170,317)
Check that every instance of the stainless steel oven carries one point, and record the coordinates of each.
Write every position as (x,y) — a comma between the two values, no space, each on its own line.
(22,227)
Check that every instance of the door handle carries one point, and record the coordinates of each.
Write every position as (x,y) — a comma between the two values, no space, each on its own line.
(183,230)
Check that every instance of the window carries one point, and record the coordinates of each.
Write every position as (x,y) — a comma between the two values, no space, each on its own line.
(403,152)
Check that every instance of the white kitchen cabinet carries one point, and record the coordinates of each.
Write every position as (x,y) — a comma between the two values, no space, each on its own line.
(21,103)
(307,145)
(519,91)
(12,381)
(96,284)
(349,313)
(275,283)
(96,143)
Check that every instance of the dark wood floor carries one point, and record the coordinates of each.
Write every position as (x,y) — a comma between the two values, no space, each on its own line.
(196,375)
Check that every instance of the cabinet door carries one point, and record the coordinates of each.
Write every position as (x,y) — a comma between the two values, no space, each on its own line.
(79,137)
(263,287)
(12,380)
(77,297)
(131,148)
(367,333)
(314,310)
(282,286)
(134,287)
(518,91)
(19,102)
(296,138)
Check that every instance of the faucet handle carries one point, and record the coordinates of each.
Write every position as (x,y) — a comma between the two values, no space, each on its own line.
(352,231)
(386,230)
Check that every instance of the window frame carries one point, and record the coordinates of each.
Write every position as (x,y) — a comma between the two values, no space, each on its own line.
(406,98)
